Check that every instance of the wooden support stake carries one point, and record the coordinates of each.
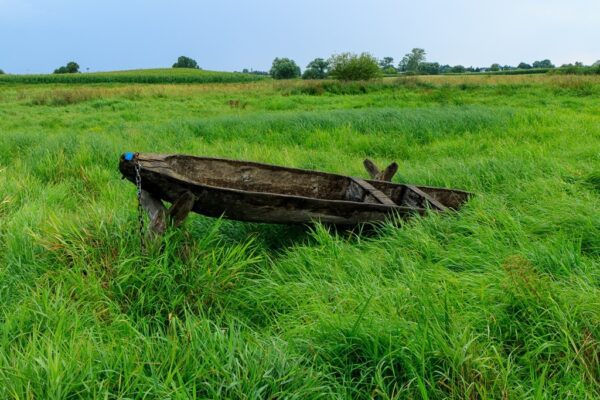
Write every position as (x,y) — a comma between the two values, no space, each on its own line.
(181,208)
(156,211)
(386,175)
(160,216)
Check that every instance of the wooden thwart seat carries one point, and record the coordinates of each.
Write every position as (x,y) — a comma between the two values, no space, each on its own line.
(376,193)
(421,196)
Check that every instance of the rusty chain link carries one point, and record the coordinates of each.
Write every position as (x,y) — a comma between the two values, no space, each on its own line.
(138,185)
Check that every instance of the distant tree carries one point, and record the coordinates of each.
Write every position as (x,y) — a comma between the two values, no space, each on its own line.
(410,62)
(71,68)
(596,64)
(507,68)
(457,69)
(543,64)
(495,67)
(1,72)
(353,67)
(284,68)
(253,72)
(186,62)
(523,65)
(265,73)
(386,62)
(387,65)
(429,68)
(316,69)
(444,69)
(578,64)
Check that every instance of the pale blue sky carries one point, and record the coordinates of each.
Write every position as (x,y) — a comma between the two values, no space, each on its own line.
(38,36)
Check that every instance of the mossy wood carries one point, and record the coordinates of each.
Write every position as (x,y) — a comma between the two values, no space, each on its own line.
(256,192)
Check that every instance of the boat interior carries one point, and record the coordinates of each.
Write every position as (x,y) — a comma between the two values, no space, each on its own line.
(266,178)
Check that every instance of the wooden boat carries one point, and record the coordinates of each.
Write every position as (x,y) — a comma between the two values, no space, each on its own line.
(250,191)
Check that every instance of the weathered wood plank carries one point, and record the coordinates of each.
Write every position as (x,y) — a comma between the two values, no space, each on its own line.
(377,194)
(422,196)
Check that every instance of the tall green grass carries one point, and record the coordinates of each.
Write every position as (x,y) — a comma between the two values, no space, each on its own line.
(529,71)
(500,300)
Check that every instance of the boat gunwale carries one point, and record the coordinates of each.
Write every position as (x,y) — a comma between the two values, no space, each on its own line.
(292,169)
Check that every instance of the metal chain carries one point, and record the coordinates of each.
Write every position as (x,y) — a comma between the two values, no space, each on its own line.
(138,185)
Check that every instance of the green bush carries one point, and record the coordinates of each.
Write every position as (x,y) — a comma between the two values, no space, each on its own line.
(577,70)
(334,87)
(71,68)
(543,64)
(353,67)
(284,68)
(429,68)
(501,72)
(316,69)
(186,62)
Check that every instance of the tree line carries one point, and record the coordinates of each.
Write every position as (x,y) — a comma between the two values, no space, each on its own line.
(364,66)
(348,66)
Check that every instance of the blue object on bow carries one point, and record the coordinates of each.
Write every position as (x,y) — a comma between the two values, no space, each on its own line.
(129,156)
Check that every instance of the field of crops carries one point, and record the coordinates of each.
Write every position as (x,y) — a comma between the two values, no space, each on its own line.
(147,76)
(500,300)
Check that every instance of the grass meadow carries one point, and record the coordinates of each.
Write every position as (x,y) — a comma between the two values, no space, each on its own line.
(498,301)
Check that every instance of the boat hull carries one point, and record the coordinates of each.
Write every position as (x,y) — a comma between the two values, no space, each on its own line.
(256,192)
